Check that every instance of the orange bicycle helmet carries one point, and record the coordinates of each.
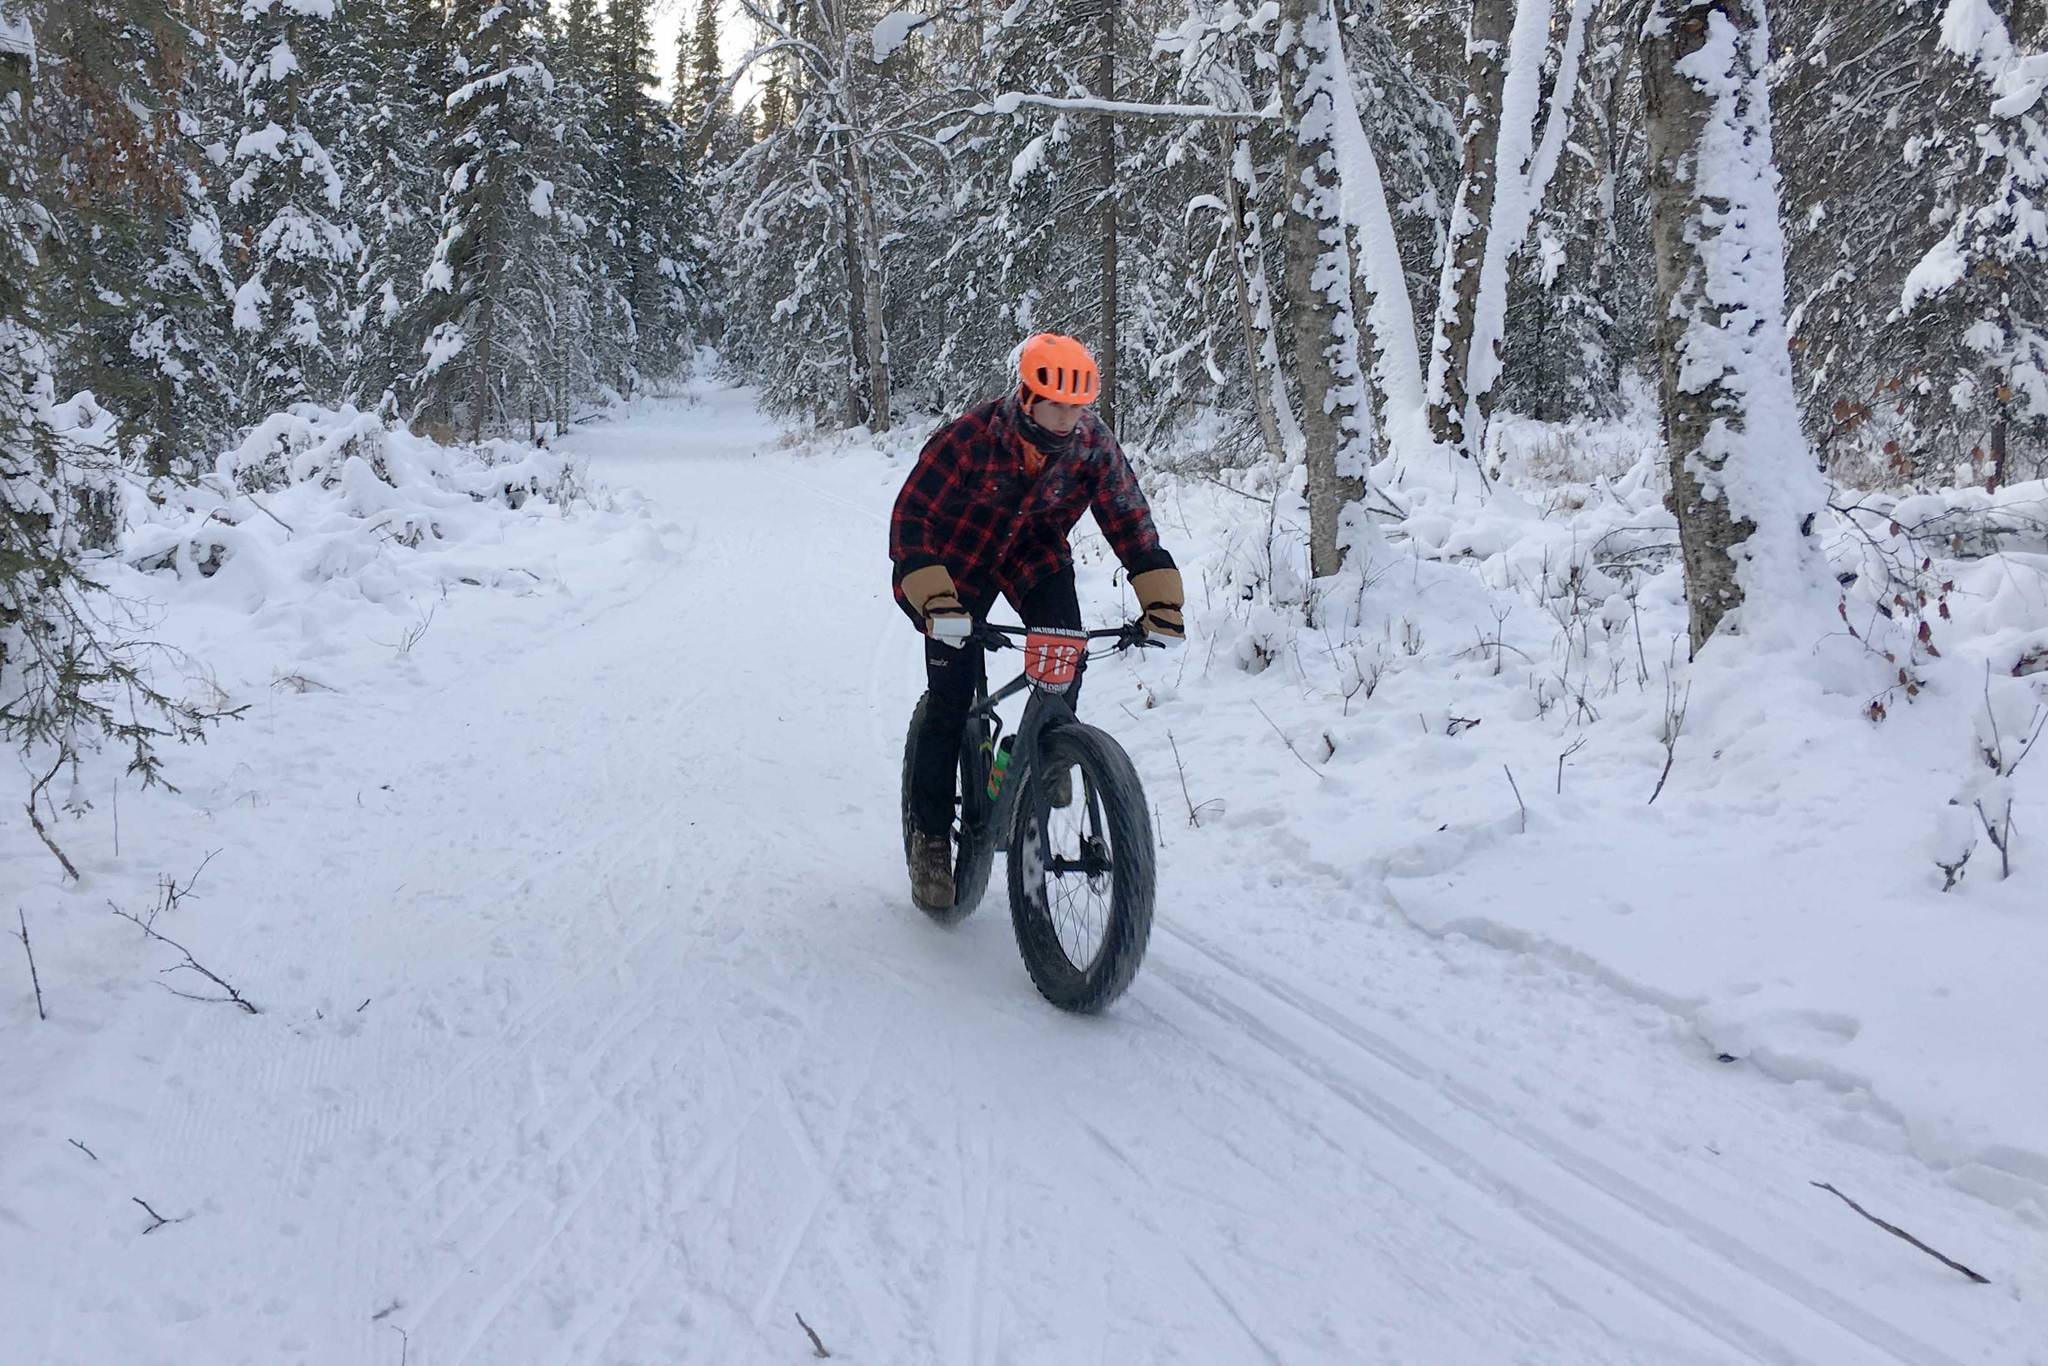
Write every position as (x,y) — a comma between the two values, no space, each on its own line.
(1058,368)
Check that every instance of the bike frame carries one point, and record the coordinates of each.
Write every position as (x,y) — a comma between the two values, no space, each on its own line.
(1044,710)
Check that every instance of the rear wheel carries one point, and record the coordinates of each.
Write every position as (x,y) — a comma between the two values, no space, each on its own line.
(973,842)
(1081,895)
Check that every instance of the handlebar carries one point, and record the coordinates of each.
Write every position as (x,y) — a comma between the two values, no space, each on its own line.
(993,636)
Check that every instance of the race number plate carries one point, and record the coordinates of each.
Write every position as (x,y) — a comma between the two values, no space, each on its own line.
(1052,657)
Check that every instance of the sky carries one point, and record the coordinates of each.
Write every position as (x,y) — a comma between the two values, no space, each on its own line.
(735,39)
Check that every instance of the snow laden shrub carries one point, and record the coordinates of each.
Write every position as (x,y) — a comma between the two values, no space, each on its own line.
(2004,733)
(318,494)
(72,672)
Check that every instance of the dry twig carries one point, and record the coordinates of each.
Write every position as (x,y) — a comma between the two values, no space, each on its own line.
(1674,725)
(1194,812)
(26,948)
(1577,745)
(160,1220)
(1898,1232)
(233,997)
(1289,743)
(817,1347)
(36,821)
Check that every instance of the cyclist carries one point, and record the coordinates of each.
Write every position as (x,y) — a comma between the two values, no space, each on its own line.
(986,511)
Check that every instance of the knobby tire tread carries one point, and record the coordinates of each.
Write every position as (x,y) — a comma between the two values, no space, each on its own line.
(1108,769)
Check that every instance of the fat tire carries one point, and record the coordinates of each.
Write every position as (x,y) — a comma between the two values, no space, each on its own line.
(973,857)
(1108,770)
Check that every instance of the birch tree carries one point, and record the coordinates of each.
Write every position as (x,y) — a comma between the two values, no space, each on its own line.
(1508,169)
(1744,486)
(1337,430)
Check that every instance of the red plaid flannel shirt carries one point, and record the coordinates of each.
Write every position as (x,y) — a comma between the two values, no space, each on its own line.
(969,506)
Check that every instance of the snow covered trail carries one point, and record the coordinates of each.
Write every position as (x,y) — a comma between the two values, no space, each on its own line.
(655,1054)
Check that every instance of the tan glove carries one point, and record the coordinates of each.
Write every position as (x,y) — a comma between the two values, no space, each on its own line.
(930,593)
(1160,599)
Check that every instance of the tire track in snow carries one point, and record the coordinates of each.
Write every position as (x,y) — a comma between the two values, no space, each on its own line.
(824,1170)
(1493,1157)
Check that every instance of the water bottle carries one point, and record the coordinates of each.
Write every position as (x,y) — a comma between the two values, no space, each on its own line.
(1000,767)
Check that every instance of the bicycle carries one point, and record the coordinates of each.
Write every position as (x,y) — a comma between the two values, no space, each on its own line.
(1081,877)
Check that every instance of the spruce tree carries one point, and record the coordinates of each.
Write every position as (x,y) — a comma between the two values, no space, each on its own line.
(288,193)
(489,199)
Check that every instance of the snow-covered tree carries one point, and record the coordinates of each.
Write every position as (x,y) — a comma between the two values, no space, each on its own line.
(397,56)
(1512,149)
(75,225)
(1993,261)
(1744,485)
(493,197)
(1337,423)
(297,244)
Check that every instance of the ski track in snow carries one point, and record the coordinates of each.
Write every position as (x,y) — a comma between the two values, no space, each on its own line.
(657,1055)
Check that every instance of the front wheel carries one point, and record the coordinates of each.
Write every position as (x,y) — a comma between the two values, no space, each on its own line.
(1081,894)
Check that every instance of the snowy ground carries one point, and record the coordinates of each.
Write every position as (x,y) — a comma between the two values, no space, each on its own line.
(597,1026)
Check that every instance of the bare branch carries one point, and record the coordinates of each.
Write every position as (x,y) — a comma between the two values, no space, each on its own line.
(1320,775)
(1898,1232)
(817,1346)
(35,794)
(28,949)
(1011,100)
(1577,745)
(233,997)
(1194,812)
(160,1220)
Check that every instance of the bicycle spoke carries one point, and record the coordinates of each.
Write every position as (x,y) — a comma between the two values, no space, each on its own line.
(1079,874)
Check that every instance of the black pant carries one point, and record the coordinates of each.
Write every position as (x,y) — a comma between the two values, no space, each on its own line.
(951,678)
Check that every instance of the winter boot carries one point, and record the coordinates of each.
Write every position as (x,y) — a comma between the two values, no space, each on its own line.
(1059,787)
(931,871)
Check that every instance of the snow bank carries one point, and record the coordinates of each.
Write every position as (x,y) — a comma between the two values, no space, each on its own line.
(334,501)
(1484,710)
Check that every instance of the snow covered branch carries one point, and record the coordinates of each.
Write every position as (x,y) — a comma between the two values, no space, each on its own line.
(1010,101)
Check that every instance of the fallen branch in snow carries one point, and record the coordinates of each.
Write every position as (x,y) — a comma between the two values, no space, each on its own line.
(299,683)
(34,980)
(35,795)
(82,1148)
(817,1347)
(1289,743)
(1898,1232)
(160,1220)
(233,997)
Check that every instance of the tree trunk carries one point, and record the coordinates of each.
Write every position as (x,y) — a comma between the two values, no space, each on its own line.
(1254,297)
(864,263)
(1743,485)
(1336,416)
(487,327)
(856,302)
(1105,88)
(1486,39)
